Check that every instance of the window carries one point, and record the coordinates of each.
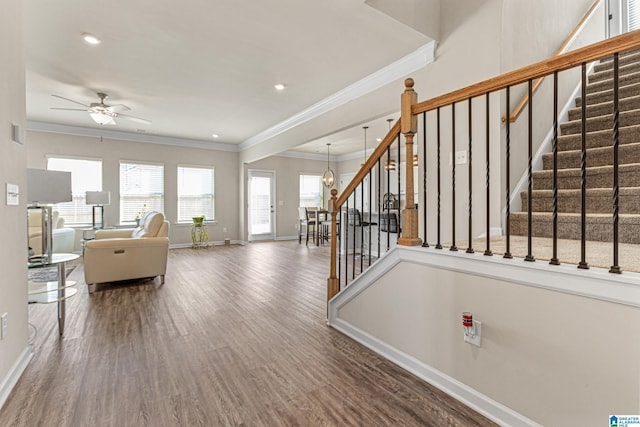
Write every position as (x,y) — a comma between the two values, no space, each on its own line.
(141,189)
(311,191)
(633,14)
(86,175)
(195,193)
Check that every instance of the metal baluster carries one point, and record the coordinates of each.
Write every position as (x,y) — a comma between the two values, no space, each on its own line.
(470,248)
(379,194)
(346,246)
(399,187)
(507,253)
(370,217)
(583,174)
(388,191)
(487,251)
(425,244)
(438,243)
(453,178)
(554,258)
(355,218)
(615,268)
(529,256)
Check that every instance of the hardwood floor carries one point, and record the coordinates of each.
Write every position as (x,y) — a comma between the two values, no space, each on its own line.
(236,336)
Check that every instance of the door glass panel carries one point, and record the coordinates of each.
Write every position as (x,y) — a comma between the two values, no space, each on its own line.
(259,205)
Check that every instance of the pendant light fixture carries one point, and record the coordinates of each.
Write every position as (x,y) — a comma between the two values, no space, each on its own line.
(328,176)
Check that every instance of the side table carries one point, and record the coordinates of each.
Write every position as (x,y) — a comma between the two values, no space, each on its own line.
(58,291)
(199,236)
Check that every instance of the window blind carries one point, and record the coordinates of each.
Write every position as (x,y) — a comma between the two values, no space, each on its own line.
(311,191)
(195,193)
(86,175)
(633,13)
(141,190)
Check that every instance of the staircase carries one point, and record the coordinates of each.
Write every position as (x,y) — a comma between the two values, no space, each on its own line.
(599,179)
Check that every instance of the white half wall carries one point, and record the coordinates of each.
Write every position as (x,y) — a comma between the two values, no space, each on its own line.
(559,346)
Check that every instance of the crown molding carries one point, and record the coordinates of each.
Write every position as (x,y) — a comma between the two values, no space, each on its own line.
(305,156)
(128,136)
(392,72)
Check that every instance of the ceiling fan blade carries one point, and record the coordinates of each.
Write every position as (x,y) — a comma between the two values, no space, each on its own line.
(135,119)
(71,100)
(118,108)
(70,109)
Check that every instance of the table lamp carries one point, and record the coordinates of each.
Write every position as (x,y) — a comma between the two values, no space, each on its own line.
(98,199)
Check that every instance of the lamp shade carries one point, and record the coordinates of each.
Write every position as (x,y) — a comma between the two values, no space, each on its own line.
(45,186)
(98,197)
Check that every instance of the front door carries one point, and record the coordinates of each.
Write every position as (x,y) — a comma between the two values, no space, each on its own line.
(261,205)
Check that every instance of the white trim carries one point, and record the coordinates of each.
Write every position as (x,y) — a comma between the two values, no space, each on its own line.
(482,404)
(416,60)
(14,374)
(129,136)
(596,283)
(287,238)
(461,392)
(210,243)
(302,155)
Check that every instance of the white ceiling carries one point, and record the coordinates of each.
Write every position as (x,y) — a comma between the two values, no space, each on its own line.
(201,67)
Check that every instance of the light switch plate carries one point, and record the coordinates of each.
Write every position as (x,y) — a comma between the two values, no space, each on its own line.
(13,194)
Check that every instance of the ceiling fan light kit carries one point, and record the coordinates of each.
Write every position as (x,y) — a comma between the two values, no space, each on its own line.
(102,113)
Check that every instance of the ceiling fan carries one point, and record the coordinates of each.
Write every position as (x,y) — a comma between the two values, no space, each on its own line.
(102,113)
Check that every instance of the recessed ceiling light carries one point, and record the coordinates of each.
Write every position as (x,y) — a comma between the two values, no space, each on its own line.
(215,135)
(90,38)
(279,86)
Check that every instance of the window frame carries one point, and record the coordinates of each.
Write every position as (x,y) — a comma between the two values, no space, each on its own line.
(146,205)
(320,188)
(213,192)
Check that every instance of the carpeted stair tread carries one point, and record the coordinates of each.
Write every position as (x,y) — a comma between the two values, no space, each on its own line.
(596,177)
(599,200)
(607,95)
(607,73)
(599,227)
(607,84)
(601,156)
(625,59)
(601,138)
(627,118)
(606,108)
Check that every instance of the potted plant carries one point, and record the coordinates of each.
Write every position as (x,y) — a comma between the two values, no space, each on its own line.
(198,220)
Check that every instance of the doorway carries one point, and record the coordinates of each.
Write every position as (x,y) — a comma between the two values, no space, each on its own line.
(261,192)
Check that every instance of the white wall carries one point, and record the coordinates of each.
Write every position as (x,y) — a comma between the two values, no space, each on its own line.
(42,144)
(556,358)
(13,219)
(288,172)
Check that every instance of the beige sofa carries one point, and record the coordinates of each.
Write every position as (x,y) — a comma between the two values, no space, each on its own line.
(128,253)
(64,238)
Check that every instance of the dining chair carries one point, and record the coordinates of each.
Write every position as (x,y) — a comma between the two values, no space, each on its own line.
(310,223)
(354,219)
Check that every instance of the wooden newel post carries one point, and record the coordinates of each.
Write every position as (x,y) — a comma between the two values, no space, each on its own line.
(333,286)
(409,127)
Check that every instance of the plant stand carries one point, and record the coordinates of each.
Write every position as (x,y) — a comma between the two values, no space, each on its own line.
(199,236)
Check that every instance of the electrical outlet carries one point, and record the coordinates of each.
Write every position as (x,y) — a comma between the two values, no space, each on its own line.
(461,157)
(476,338)
(3,321)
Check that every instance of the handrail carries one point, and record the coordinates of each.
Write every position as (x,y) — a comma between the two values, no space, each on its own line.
(540,69)
(570,38)
(369,164)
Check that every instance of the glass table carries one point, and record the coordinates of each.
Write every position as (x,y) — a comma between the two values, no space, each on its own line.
(56,291)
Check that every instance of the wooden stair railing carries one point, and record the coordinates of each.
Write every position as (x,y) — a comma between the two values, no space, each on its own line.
(407,125)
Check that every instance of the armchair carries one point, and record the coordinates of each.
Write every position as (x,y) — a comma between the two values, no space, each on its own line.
(63,237)
(128,253)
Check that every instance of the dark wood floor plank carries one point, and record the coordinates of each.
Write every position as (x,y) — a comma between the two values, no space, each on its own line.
(236,336)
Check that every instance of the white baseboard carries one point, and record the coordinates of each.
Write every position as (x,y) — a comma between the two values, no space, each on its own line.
(216,243)
(14,374)
(482,404)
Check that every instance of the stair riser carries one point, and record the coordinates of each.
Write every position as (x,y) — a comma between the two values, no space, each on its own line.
(608,73)
(624,60)
(607,96)
(627,154)
(627,118)
(605,109)
(598,178)
(628,135)
(569,228)
(601,203)
(608,84)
